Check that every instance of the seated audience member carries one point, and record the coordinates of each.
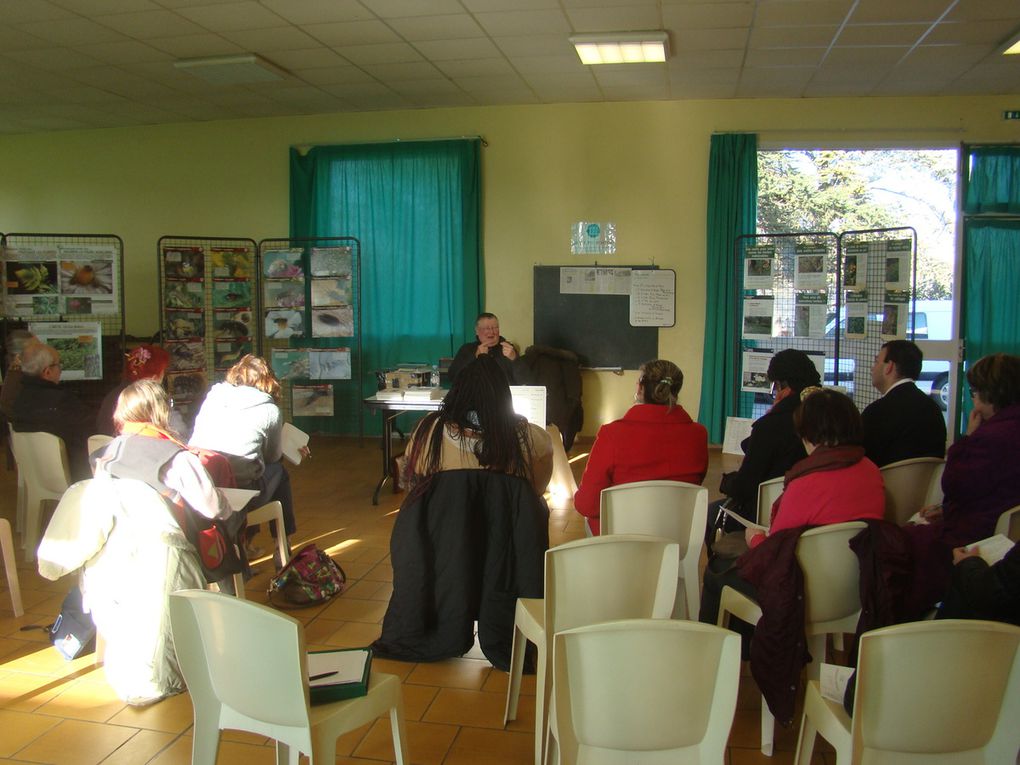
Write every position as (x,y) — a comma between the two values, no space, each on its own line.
(981,480)
(655,440)
(773,446)
(904,423)
(240,418)
(492,344)
(980,591)
(43,405)
(146,362)
(132,559)
(835,483)
(476,428)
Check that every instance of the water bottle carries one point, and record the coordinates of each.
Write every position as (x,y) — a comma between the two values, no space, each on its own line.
(434,380)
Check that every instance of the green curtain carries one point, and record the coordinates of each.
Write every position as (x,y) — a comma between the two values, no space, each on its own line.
(416,209)
(993,179)
(732,211)
(991,317)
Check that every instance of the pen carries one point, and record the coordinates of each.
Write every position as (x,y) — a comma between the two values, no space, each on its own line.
(323,675)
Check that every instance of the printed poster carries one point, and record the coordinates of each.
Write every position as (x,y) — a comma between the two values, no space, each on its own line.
(312,400)
(231,262)
(899,256)
(856,315)
(855,266)
(290,363)
(331,261)
(809,273)
(894,314)
(593,280)
(754,378)
(758,317)
(80,346)
(809,313)
(283,323)
(759,260)
(334,364)
(283,264)
(333,322)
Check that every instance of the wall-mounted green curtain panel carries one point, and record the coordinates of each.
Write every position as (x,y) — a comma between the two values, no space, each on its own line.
(991,317)
(993,179)
(416,208)
(732,211)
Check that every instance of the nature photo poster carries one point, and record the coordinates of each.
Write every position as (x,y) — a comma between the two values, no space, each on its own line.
(79,344)
(70,278)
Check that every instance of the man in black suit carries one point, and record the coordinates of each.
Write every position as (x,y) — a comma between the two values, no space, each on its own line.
(904,423)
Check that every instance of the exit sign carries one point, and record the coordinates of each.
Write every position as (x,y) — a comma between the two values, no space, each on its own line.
(1011,115)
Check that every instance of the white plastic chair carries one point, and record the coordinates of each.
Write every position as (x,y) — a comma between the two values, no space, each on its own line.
(643,691)
(1009,524)
(272,511)
(941,692)
(768,493)
(98,441)
(831,594)
(671,509)
(19,518)
(42,460)
(10,566)
(247,669)
(908,485)
(586,582)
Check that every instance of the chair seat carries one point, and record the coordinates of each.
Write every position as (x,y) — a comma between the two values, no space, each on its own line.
(340,716)
(530,617)
(739,605)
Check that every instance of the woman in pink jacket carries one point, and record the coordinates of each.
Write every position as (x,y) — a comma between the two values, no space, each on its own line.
(655,440)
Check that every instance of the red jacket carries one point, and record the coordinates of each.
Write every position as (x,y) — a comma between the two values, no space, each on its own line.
(650,443)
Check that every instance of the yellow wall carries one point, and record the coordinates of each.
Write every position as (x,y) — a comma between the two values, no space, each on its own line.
(642,166)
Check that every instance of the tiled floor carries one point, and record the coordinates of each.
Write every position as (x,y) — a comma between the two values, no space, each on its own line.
(63,713)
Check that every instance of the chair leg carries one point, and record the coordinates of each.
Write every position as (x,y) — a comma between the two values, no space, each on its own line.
(693,597)
(100,655)
(239,586)
(205,743)
(399,732)
(513,688)
(543,683)
(10,566)
(768,729)
(805,741)
(30,532)
(286,754)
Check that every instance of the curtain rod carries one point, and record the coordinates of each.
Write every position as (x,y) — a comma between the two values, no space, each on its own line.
(304,148)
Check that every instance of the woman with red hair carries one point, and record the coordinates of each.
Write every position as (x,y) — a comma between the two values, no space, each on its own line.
(146,362)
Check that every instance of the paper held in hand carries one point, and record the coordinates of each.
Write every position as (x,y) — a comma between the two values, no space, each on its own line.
(238,498)
(743,521)
(993,549)
(293,441)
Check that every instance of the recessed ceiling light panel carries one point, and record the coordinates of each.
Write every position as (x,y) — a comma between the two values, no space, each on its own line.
(622,48)
(243,69)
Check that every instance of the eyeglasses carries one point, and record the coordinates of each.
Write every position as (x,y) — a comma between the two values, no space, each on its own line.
(974,393)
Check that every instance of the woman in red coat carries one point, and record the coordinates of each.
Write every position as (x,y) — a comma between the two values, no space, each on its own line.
(655,441)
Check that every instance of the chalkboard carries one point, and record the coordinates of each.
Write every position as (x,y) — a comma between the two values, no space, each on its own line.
(595,327)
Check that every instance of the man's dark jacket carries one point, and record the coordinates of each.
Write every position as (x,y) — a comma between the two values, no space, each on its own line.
(903,424)
(463,551)
(466,354)
(45,407)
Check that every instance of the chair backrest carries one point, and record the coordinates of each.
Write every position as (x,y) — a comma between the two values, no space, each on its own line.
(831,576)
(671,509)
(1009,524)
(43,457)
(645,687)
(907,485)
(608,578)
(230,651)
(932,689)
(98,441)
(768,493)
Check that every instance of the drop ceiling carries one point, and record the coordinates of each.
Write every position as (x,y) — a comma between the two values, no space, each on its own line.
(80,64)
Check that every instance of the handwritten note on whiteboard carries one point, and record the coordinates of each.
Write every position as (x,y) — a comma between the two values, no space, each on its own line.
(652,297)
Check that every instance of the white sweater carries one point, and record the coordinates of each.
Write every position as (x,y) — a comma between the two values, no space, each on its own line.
(241,421)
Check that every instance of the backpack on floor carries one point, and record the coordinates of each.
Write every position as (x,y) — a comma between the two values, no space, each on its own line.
(309,578)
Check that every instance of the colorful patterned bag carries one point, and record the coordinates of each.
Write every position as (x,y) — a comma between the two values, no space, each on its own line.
(309,578)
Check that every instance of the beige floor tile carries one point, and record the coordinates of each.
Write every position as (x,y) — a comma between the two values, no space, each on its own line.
(76,742)
(171,715)
(230,753)
(452,673)
(354,635)
(364,589)
(381,572)
(498,680)
(355,610)
(319,630)
(473,746)
(477,709)
(141,747)
(24,692)
(19,729)
(85,699)
(417,699)
(393,667)
(427,743)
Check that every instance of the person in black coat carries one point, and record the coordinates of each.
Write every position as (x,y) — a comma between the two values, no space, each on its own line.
(44,406)
(904,423)
(980,591)
(773,446)
(490,342)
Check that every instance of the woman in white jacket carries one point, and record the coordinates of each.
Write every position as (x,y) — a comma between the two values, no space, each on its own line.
(240,418)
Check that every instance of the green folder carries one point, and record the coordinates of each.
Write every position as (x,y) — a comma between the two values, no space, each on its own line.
(351,678)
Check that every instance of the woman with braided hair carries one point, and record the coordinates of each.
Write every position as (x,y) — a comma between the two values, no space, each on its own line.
(655,441)
(476,428)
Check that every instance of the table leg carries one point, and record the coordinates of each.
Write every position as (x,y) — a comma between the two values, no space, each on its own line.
(387,453)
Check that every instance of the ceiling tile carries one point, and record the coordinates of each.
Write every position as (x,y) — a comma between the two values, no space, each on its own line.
(773,57)
(195,46)
(707,15)
(52,59)
(352,33)
(982,32)
(867,56)
(436,27)
(271,39)
(308,58)
(390,53)
(27,11)
(318,11)
(513,23)
(797,13)
(488,6)
(390,9)
(882,34)
(709,39)
(849,88)
(878,11)
(706,59)
(944,58)
(585,20)
(149,24)
(126,52)
(535,45)
(475,68)
(793,37)
(394,73)
(13,39)
(448,50)
(103,7)
(977,10)
(333,75)
(232,16)
(537,65)
(74,31)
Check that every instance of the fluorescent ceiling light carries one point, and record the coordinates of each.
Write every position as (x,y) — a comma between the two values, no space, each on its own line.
(243,69)
(622,47)
(1012,45)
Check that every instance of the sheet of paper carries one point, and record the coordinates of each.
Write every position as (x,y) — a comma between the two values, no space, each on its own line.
(744,522)
(737,429)
(349,666)
(238,498)
(293,439)
(993,549)
(833,680)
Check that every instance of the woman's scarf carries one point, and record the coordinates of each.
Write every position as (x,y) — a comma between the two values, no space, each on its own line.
(780,395)
(150,431)
(824,458)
